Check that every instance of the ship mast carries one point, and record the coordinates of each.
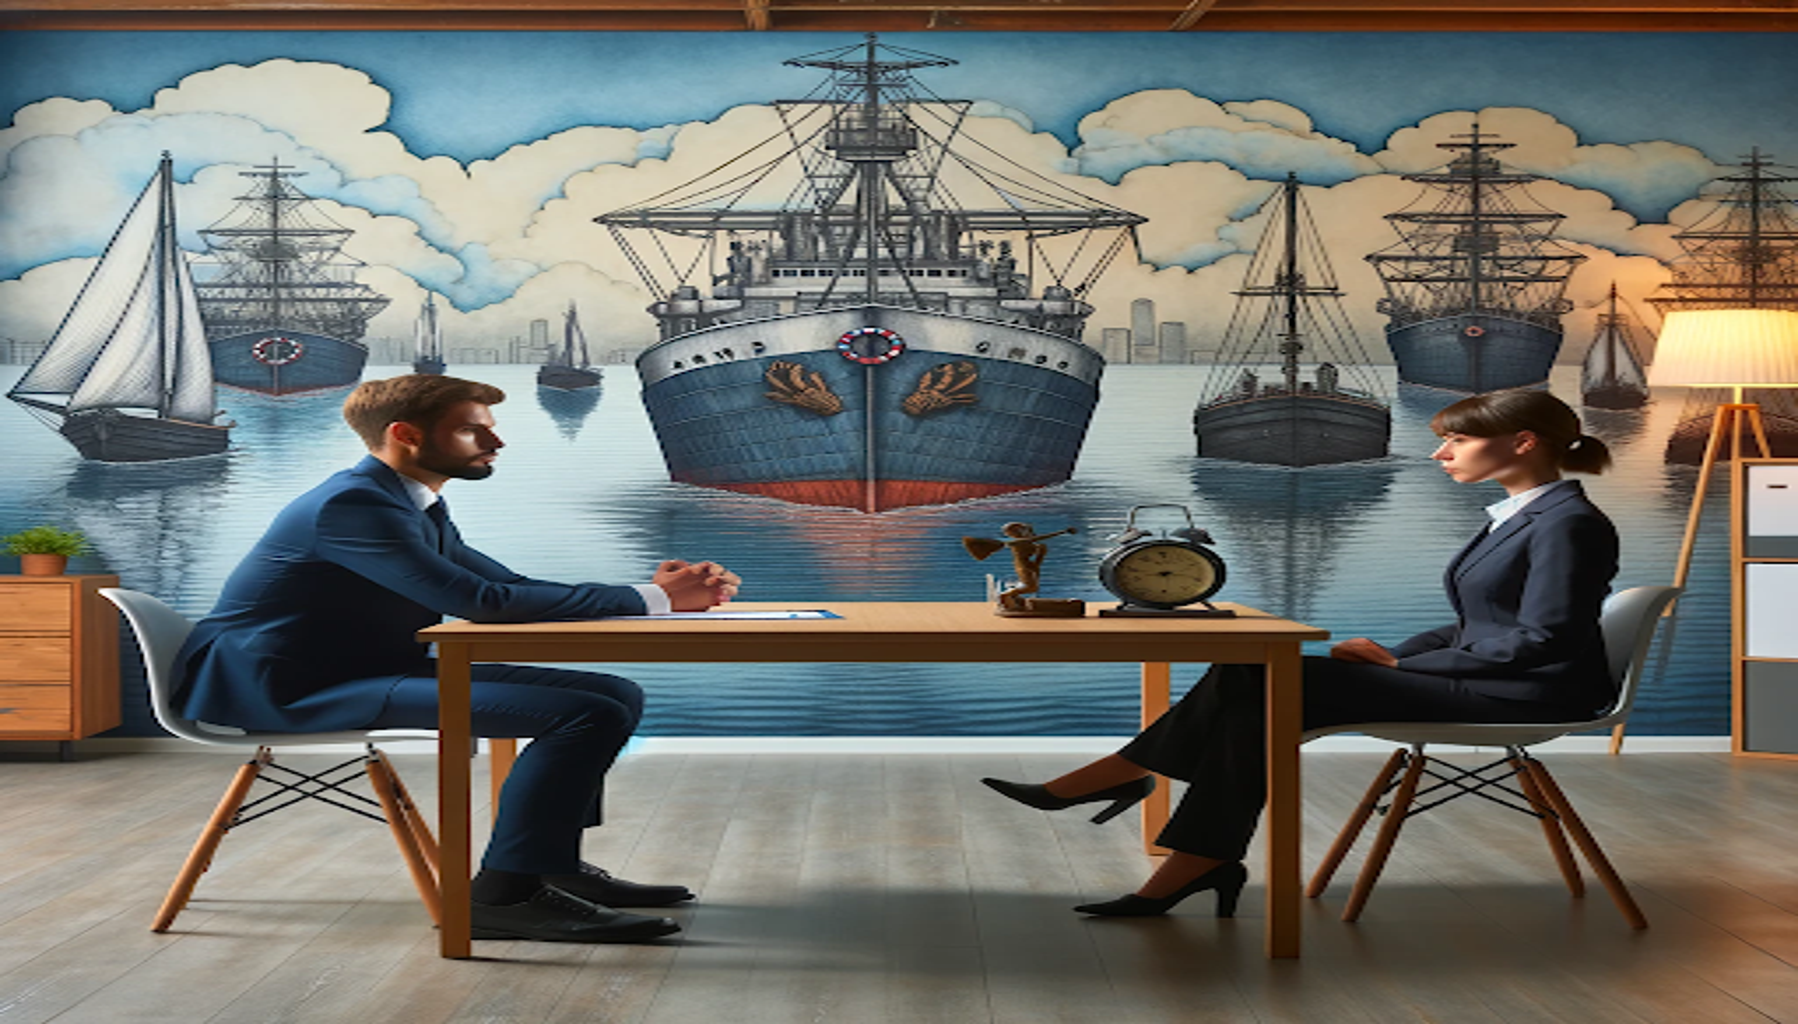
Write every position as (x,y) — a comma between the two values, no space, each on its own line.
(1291,283)
(1477,250)
(1743,254)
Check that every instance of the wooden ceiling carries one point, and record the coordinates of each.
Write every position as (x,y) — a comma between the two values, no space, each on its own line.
(913,15)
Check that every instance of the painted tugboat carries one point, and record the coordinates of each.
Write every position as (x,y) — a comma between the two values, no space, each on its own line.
(1289,307)
(865,338)
(1475,285)
(283,311)
(126,377)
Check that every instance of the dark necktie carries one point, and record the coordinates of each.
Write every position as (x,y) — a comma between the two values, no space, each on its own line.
(438,512)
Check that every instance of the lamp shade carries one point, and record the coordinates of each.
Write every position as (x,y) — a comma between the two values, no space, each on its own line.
(1727,348)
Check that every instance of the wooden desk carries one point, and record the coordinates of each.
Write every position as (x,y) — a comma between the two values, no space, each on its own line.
(890,632)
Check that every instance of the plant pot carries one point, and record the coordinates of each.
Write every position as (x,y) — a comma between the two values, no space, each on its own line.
(43,565)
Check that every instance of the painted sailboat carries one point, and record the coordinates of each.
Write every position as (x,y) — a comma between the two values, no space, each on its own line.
(856,313)
(1289,313)
(570,366)
(1742,255)
(1611,376)
(283,311)
(427,339)
(126,377)
(1475,285)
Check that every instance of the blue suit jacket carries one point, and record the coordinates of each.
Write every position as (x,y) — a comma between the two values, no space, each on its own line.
(1528,595)
(317,623)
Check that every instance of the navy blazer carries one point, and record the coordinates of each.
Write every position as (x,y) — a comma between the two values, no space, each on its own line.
(316,624)
(1528,595)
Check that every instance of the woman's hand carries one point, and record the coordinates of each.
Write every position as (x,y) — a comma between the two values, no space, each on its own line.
(696,586)
(1364,650)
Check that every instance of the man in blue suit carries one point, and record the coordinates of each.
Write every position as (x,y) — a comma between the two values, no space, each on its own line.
(316,631)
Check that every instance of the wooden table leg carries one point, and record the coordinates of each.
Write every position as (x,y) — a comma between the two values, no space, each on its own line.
(500,755)
(453,738)
(1156,678)
(1284,714)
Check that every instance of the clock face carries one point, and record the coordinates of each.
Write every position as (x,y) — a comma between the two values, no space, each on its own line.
(1165,574)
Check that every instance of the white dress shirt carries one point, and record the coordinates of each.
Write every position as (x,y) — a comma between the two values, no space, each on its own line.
(1503,510)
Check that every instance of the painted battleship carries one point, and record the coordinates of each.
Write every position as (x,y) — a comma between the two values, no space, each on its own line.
(126,377)
(1741,255)
(1475,284)
(1289,314)
(283,310)
(869,318)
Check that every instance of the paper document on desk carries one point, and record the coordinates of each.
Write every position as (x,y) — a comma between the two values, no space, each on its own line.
(798,613)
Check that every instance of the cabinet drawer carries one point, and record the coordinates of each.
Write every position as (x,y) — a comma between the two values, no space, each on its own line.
(36,709)
(34,608)
(34,659)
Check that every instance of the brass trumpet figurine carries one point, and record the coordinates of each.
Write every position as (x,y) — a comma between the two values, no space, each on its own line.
(1027,553)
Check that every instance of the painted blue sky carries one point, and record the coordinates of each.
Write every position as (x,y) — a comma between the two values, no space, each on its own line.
(1718,92)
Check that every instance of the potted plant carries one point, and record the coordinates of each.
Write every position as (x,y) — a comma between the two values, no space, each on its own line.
(45,550)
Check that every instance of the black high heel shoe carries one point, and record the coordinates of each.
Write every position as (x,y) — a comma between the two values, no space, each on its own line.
(1122,796)
(1227,879)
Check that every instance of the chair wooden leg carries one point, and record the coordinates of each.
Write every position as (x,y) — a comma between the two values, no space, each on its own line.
(1351,829)
(1601,865)
(1388,834)
(380,776)
(200,857)
(421,829)
(1551,828)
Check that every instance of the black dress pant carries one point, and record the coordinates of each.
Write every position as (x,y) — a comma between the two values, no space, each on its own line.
(1215,739)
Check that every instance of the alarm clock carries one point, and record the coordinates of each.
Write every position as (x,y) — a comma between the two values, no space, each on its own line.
(1159,574)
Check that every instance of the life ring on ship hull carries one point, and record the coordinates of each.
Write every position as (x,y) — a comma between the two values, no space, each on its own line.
(277,351)
(1473,330)
(870,346)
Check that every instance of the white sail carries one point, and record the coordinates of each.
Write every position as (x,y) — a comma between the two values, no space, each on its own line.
(134,338)
(93,323)
(574,341)
(427,333)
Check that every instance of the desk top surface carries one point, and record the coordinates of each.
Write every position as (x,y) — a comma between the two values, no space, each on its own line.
(967,626)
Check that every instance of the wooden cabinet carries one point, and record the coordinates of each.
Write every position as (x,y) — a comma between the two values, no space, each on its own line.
(59,658)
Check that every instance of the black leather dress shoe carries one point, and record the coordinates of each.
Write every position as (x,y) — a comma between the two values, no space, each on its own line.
(597,885)
(554,916)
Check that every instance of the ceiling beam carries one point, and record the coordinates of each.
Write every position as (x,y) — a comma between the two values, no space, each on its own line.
(913,15)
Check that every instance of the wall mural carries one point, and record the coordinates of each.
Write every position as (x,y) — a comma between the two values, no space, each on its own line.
(819,306)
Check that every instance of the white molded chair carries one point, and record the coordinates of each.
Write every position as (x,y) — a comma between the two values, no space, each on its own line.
(160,632)
(1628,623)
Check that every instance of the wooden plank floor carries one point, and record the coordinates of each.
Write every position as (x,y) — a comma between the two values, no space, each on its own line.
(897,890)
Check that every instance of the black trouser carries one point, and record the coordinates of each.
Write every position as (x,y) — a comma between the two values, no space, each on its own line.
(1216,737)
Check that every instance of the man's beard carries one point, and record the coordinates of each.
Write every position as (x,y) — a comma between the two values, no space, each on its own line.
(437,462)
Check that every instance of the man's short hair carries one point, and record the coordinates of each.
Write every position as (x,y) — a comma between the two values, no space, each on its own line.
(420,399)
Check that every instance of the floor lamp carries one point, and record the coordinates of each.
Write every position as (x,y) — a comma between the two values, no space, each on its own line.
(1723,348)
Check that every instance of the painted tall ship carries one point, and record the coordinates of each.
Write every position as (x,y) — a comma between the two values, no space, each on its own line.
(1741,255)
(858,314)
(1475,284)
(126,377)
(1289,314)
(427,338)
(283,310)
(1611,376)
(570,367)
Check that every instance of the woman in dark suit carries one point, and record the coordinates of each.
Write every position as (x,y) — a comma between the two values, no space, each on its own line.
(1526,647)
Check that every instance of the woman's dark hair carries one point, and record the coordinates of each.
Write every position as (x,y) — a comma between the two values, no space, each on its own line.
(1507,412)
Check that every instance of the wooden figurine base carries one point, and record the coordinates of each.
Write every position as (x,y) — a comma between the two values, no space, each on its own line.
(1041,608)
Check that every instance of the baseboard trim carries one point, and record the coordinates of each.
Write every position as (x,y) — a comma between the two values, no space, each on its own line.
(1084,746)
